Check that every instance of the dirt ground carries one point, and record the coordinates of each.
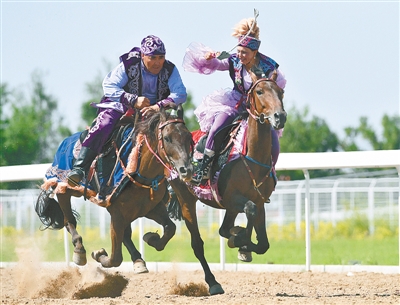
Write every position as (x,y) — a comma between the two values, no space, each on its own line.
(40,284)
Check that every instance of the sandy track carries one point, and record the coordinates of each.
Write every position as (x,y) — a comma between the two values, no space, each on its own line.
(26,284)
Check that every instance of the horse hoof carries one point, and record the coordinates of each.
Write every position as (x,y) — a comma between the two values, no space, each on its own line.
(139,266)
(79,258)
(235,231)
(96,254)
(151,236)
(245,256)
(216,289)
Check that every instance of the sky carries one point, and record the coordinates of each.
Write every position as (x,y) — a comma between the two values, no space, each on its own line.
(340,58)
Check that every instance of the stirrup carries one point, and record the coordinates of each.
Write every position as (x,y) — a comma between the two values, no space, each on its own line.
(75,177)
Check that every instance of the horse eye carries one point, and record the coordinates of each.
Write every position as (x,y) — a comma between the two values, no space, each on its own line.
(259,92)
(167,139)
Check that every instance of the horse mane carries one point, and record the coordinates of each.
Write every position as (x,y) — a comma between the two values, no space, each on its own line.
(149,124)
(145,128)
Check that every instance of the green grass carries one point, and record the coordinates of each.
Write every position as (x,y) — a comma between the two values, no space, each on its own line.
(337,250)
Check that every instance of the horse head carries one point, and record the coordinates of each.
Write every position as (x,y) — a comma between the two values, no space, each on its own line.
(265,101)
(175,143)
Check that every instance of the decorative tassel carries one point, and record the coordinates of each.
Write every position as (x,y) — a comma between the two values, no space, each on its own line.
(134,155)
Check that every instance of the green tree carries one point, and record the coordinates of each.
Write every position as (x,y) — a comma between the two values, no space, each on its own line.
(31,132)
(305,134)
(190,118)
(6,95)
(94,91)
(389,140)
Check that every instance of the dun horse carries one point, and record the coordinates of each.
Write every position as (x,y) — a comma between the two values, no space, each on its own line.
(244,184)
(162,143)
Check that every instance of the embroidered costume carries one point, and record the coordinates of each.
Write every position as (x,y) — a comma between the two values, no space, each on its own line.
(122,87)
(222,106)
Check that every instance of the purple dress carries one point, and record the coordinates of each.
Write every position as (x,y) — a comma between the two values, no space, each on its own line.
(224,100)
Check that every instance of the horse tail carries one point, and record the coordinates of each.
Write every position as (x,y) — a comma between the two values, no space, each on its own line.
(174,208)
(49,211)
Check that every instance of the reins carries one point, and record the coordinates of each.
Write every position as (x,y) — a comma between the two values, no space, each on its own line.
(261,118)
(160,145)
(155,183)
(253,179)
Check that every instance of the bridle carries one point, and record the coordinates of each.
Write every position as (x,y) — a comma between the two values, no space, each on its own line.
(160,149)
(160,145)
(260,117)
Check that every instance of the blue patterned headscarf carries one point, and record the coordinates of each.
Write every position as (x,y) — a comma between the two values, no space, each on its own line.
(249,42)
(152,45)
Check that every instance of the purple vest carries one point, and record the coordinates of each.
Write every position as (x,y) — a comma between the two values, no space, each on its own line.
(132,62)
(266,65)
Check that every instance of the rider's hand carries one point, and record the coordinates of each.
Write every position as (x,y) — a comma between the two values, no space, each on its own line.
(210,55)
(145,110)
(142,102)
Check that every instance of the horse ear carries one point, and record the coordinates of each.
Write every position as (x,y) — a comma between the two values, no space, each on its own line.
(180,111)
(274,75)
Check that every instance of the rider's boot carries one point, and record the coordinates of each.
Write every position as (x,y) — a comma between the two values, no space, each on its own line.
(203,171)
(81,166)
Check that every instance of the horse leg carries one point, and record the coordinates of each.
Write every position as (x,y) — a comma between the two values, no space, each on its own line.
(159,214)
(188,205)
(237,205)
(262,245)
(227,224)
(79,256)
(238,236)
(139,265)
(258,222)
(244,252)
(117,228)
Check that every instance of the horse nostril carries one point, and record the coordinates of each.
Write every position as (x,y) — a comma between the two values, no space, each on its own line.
(182,170)
(277,117)
(280,118)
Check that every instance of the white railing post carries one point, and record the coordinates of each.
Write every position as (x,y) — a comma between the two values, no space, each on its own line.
(371,206)
(221,242)
(298,207)
(102,222)
(307,220)
(66,246)
(141,233)
(334,202)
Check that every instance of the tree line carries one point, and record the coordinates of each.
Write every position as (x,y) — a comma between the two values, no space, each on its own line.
(31,128)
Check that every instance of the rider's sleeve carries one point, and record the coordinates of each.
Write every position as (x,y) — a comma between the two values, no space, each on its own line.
(113,85)
(177,89)
(194,60)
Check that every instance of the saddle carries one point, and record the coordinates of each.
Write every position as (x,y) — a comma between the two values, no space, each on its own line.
(224,139)
(106,170)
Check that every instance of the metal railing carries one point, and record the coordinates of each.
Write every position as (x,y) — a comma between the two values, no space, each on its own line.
(307,198)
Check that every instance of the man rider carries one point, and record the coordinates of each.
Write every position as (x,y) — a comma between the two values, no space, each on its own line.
(144,80)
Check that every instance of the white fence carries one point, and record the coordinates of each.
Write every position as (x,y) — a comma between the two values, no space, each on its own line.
(292,199)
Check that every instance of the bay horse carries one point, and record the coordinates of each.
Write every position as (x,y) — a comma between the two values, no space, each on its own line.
(244,184)
(165,144)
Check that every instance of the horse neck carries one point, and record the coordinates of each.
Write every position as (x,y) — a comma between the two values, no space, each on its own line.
(259,141)
(150,166)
